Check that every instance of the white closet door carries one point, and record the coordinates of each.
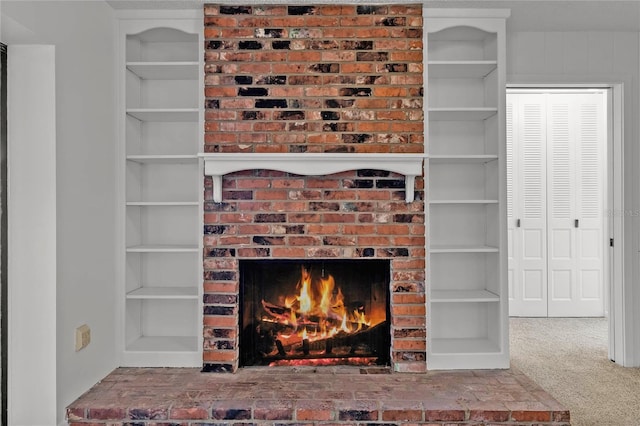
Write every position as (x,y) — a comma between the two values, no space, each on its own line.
(576,138)
(527,205)
(555,182)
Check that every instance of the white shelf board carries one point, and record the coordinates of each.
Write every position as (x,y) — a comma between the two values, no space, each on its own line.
(170,293)
(468,361)
(461,114)
(462,159)
(161,203)
(190,358)
(163,159)
(165,114)
(457,296)
(468,346)
(163,248)
(164,344)
(462,249)
(460,69)
(165,70)
(463,202)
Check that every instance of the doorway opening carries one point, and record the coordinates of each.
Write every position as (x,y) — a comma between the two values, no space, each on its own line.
(563,161)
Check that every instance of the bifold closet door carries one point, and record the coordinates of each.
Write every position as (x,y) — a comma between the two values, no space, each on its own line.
(557,146)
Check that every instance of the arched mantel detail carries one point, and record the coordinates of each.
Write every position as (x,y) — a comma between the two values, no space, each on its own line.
(217,165)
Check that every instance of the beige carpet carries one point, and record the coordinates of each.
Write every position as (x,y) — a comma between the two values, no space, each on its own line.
(568,358)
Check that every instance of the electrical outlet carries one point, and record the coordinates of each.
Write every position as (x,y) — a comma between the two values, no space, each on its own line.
(83,337)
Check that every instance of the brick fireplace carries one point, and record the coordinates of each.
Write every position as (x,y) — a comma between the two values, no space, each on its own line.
(314,79)
(314,148)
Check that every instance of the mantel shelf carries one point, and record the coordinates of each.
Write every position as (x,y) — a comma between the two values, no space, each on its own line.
(217,165)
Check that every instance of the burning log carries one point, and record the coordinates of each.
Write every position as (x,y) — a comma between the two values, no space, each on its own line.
(374,340)
(282,316)
(276,327)
(367,337)
(279,313)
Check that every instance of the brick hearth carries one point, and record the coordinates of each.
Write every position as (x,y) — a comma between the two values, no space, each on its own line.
(307,397)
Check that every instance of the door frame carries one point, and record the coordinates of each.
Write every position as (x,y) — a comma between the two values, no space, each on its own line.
(614,212)
(4,249)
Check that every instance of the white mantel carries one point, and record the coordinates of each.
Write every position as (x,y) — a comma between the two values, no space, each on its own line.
(217,165)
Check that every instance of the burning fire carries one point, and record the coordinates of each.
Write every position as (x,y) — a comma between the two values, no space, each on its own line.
(316,317)
(316,312)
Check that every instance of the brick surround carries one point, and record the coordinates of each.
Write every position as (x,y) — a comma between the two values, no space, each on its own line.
(314,78)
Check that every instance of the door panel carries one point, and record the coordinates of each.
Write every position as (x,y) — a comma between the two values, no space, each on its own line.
(590,244)
(561,186)
(577,137)
(513,255)
(561,245)
(528,208)
(533,247)
(591,284)
(560,281)
(534,282)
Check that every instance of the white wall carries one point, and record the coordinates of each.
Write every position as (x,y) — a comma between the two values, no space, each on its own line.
(31,234)
(83,33)
(595,57)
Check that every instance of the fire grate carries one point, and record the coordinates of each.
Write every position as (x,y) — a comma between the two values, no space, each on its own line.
(314,312)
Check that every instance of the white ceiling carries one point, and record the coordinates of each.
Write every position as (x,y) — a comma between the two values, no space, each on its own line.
(526,15)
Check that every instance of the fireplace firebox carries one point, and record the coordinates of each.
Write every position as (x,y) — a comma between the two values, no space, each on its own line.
(314,312)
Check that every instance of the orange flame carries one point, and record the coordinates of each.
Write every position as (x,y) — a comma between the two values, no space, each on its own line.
(344,327)
(326,291)
(318,310)
(361,319)
(306,303)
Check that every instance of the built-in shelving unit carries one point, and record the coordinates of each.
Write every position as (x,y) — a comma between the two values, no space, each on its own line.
(467,313)
(161,116)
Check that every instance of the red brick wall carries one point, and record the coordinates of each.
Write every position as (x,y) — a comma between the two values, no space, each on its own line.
(323,78)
